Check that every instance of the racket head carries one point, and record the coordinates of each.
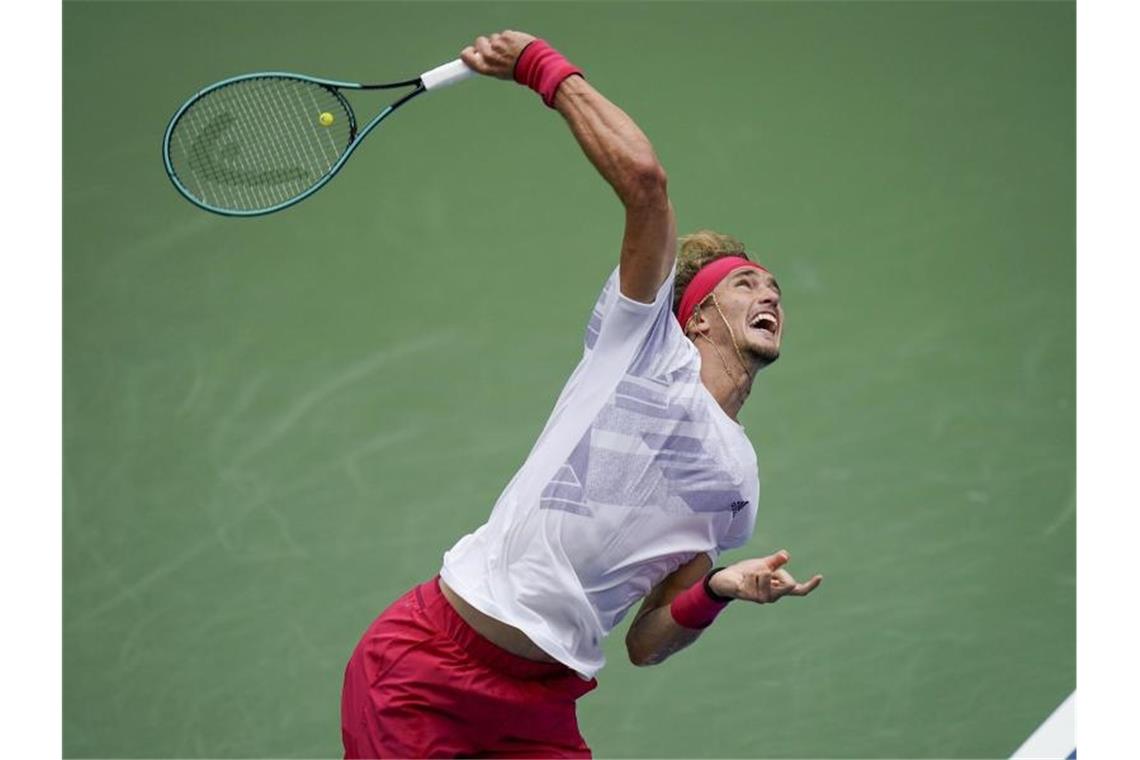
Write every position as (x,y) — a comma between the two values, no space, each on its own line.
(256,143)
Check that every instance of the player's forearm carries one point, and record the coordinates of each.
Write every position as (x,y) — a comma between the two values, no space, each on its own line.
(655,636)
(615,145)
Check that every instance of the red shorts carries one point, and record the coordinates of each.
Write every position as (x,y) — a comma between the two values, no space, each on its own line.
(423,683)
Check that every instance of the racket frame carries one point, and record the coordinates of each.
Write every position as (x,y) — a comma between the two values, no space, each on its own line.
(333,86)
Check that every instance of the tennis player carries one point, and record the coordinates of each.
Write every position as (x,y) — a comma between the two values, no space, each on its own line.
(640,479)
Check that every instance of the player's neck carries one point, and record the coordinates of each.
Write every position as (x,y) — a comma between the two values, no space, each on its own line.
(727,380)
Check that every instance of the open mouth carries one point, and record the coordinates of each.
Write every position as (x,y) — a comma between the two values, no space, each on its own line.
(765,322)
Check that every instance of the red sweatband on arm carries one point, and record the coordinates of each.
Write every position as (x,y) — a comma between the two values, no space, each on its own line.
(695,607)
(542,69)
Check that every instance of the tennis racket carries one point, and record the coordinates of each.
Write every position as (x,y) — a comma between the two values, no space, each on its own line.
(258,143)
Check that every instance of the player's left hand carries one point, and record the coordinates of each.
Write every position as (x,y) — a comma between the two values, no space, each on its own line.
(495,56)
(762,580)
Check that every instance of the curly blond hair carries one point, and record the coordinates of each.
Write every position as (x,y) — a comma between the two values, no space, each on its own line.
(697,250)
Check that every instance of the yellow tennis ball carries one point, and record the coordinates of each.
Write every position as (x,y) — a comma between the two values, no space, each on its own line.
(326,119)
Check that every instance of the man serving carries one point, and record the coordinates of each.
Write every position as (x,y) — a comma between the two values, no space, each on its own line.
(640,479)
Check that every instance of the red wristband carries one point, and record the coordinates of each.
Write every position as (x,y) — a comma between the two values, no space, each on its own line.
(542,68)
(694,608)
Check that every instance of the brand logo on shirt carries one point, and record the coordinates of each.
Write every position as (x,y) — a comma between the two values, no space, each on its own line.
(736,506)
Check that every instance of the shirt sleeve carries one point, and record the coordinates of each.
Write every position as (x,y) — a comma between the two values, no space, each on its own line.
(617,319)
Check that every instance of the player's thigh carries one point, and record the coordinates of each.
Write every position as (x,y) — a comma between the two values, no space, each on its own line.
(533,719)
(520,748)
(424,704)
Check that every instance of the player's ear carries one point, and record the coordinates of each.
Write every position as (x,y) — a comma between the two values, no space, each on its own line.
(698,324)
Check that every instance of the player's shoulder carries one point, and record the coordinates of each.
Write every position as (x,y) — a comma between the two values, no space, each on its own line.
(667,355)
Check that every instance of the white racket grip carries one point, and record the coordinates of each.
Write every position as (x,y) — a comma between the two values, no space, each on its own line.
(448,73)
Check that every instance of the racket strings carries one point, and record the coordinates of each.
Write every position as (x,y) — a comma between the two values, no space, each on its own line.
(256,143)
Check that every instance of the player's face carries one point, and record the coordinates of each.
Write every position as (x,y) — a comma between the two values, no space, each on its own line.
(750,300)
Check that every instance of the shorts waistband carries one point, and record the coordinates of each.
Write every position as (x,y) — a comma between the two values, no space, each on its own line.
(447,620)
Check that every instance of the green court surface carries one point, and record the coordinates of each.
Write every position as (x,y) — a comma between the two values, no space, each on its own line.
(273,427)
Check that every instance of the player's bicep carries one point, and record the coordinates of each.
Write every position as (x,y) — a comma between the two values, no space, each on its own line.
(648,249)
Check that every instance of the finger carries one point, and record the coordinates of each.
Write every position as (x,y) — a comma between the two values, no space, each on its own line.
(777,560)
(483,46)
(472,58)
(782,585)
(782,577)
(803,589)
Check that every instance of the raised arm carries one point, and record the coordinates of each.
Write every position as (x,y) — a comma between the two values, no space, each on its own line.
(620,152)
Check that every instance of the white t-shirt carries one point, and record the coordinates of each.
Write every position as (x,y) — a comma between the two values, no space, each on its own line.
(637,471)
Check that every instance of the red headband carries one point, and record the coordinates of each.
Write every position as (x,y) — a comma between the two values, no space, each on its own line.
(706,280)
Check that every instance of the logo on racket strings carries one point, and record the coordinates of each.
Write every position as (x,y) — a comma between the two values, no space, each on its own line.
(218,161)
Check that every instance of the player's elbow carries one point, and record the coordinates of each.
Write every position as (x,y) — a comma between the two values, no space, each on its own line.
(641,655)
(641,659)
(646,183)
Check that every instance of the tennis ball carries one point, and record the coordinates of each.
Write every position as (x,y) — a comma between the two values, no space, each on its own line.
(326,119)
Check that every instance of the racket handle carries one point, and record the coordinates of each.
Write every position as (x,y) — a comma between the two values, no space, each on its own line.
(448,73)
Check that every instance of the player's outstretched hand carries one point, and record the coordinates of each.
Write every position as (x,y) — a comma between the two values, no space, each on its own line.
(495,56)
(761,580)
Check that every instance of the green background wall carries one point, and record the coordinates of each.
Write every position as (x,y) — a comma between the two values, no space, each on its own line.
(273,427)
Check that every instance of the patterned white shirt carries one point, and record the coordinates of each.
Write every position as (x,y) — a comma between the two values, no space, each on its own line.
(637,471)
